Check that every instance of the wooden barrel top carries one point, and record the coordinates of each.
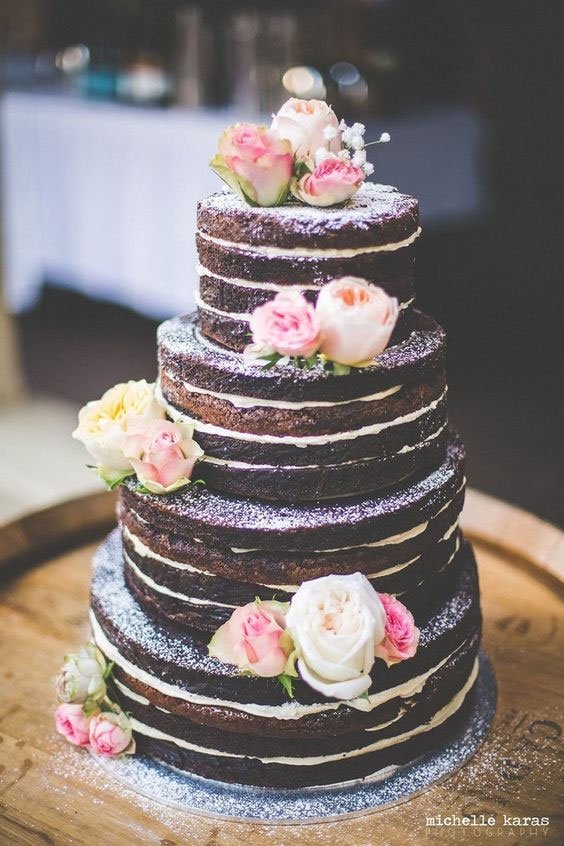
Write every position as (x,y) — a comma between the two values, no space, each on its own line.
(51,793)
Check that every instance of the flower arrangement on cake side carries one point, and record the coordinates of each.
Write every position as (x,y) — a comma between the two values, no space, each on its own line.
(329,635)
(349,326)
(306,154)
(86,716)
(126,433)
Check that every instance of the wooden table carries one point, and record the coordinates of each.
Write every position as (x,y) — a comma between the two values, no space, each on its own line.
(51,793)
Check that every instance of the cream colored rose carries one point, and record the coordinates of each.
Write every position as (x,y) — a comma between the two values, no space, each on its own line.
(357,320)
(103,424)
(336,623)
(308,125)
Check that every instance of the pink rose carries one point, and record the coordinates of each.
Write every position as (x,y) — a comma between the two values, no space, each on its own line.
(401,634)
(308,125)
(254,639)
(287,324)
(333,181)
(255,162)
(72,724)
(356,319)
(162,454)
(110,734)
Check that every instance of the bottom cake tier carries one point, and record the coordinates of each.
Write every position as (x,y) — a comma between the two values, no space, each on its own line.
(195,713)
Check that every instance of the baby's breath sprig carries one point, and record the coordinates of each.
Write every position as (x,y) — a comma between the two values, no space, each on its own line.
(354,145)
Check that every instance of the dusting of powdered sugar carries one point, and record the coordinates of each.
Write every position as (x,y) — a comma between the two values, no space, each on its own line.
(372,208)
(179,339)
(207,510)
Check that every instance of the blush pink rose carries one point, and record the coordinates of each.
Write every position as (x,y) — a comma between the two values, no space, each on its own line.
(356,319)
(287,324)
(162,454)
(401,636)
(72,724)
(255,162)
(333,181)
(110,734)
(254,639)
(308,125)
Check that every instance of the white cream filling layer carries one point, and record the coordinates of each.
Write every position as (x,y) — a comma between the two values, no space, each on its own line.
(303,440)
(243,465)
(245,317)
(399,567)
(191,600)
(296,252)
(440,717)
(145,552)
(392,540)
(287,711)
(240,401)
(245,283)
(389,541)
(136,697)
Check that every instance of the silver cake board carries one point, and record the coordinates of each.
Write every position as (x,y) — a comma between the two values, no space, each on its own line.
(238,803)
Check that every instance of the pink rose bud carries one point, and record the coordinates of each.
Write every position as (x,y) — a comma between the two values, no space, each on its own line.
(401,635)
(254,639)
(162,454)
(333,181)
(255,162)
(72,724)
(110,734)
(356,319)
(308,125)
(287,324)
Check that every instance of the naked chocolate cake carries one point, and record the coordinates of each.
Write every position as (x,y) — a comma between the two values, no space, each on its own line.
(288,600)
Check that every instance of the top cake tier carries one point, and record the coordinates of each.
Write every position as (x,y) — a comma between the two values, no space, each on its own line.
(247,254)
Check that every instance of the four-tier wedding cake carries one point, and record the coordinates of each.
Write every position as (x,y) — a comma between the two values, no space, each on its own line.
(288,600)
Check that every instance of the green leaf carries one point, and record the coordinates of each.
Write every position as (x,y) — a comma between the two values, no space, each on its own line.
(108,671)
(90,707)
(268,365)
(301,167)
(287,683)
(113,478)
(340,369)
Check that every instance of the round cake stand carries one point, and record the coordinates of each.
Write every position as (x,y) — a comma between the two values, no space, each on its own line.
(52,793)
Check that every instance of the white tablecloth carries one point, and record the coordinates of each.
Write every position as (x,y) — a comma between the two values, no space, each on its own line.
(102,198)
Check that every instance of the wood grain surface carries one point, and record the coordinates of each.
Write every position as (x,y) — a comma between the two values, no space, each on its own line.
(51,793)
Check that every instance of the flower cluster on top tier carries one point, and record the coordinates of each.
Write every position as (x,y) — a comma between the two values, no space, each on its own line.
(86,717)
(350,324)
(330,635)
(126,433)
(306,152)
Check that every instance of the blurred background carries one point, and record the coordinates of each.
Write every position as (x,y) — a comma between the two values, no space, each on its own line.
(109,113)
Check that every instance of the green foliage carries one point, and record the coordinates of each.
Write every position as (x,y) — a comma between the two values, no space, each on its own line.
(287,683)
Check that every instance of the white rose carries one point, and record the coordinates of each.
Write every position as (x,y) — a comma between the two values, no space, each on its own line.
(304,124)
(357,320)
(103,424)
(336,623)
(82,676)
